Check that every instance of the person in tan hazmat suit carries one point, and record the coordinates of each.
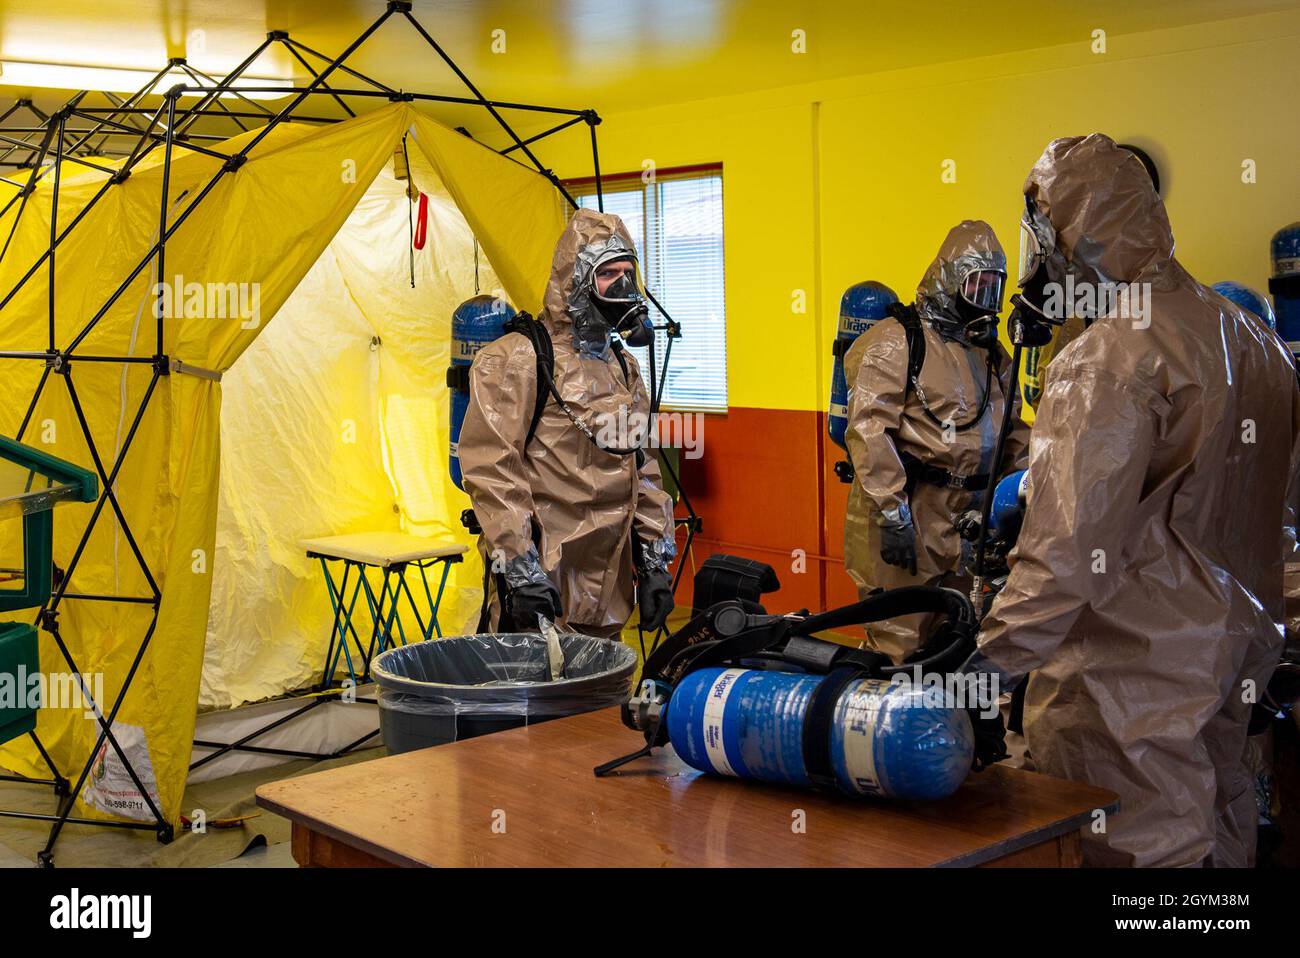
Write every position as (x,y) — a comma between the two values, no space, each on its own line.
(922,448)
(1145,593)
(576,523)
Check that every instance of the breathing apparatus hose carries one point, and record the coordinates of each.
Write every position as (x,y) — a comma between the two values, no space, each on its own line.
(581,426)
(962,618)
(979,412)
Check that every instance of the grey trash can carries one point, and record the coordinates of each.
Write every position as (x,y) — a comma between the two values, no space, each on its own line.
(444,690)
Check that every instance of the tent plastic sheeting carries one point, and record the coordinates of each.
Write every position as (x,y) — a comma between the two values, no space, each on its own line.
(264,227)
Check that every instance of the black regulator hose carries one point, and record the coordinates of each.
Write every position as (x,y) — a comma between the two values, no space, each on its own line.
(986,509)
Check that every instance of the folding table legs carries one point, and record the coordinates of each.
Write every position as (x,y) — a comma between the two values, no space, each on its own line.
(383,607)
(342,624)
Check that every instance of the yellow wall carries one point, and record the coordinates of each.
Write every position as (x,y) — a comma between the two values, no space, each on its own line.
(828,184)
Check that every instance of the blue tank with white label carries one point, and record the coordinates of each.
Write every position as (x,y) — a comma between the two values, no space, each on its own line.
(1285,283)
(888,739)
(475,323)
(861,307)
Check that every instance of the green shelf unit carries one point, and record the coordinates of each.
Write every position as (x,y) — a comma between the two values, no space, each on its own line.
(32,484)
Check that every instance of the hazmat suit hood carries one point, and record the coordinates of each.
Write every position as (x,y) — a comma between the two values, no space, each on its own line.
(567,311)
(1096,201)
(1110,225)
(970,245)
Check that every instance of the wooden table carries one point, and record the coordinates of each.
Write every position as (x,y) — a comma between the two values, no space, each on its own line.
(528,797)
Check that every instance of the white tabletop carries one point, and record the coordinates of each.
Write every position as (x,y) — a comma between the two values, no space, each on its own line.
(382,549)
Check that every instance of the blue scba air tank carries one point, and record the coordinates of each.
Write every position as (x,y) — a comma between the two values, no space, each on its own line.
(1285,283)
(888,740)
(1245,297)
(1009,497)
(861,307)
(475,323)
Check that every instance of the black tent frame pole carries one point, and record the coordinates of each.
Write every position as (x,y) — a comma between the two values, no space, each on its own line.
(545,133)
(54,222)
(27,190)
(283,39)
(212,94)
(299,45)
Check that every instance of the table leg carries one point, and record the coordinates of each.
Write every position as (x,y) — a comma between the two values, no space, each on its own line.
(393,617)
(312,849)
(1064,851)
(436,604)
(410,598)
(336,601)
(376,614)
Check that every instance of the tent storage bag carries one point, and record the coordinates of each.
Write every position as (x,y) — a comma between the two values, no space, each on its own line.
(444,690)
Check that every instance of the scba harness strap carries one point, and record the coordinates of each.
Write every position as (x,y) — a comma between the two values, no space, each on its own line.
(918,471)
(906,316)
(729,634)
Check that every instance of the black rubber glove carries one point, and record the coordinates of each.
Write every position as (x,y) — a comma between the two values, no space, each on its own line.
(654,594)
(527,602)
(990,737)
(898,540)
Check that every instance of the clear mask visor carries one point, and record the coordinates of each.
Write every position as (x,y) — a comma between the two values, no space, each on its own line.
(617,280)
(982,289)
(1032,253)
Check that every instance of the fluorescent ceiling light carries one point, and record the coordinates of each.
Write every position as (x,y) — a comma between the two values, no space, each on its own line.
(59,76)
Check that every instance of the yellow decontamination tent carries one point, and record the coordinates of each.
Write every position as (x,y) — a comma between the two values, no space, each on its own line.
(335,407)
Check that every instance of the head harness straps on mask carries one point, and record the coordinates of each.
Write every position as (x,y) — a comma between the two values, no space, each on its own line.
(911,323)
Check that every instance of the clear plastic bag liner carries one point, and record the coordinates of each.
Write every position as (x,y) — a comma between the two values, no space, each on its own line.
(503,674)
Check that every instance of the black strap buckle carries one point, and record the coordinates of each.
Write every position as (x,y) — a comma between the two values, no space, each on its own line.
(458,378)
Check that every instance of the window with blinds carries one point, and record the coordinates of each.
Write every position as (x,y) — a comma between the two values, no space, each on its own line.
(676,221)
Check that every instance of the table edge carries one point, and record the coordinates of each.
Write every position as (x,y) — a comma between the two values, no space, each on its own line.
(1039,835)
(970,859)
